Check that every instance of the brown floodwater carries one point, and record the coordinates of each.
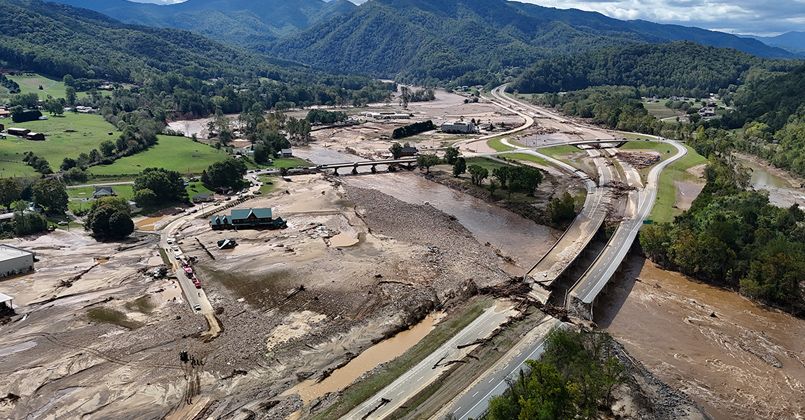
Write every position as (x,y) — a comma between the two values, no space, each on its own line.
(515,236)
(382,352)
(734,357)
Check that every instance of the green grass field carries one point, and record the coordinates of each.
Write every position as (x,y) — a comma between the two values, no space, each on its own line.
(664,210)
(29,83)
(489,164)
(176,153)
(526,157)
(659,110)
(67,136)
(555,151)
(497,145)
(664,149)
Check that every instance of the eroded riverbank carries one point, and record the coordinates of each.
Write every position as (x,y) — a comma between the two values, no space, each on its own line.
(735,358)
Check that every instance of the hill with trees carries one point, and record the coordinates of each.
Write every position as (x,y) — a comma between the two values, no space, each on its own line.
(472,42)
(246,22)
(677,68)
(55,40)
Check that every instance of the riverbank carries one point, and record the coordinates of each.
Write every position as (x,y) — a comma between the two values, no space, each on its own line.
(785,189)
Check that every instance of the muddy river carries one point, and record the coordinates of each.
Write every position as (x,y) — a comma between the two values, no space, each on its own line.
(516,237)
(735,358)
(783,189)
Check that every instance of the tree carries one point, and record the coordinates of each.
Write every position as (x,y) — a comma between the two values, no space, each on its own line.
(10,191)
(562,210)
(478,174)
(68,163)
(75,175)
(167,186)
(396,150)
(51,194)
(451,155)
(68,80)
(109,219)
(70,95)
(107,148)
(145,198)
(427,160)
(25,101)
(225,175)
(459,167)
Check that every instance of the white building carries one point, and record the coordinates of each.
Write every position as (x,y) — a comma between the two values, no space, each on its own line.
(15,261)
(459,127)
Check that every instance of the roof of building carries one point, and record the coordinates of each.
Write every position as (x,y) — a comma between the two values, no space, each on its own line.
(8,252)
(104,191)
(260,213)
(283,151)
(5,298)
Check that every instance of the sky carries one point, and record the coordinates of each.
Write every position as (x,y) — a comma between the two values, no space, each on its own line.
(755,17)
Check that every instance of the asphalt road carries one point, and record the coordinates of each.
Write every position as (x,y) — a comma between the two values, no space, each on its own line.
(431,367)
(474,401)
(599,273)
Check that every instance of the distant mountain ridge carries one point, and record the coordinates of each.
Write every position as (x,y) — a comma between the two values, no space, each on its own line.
(471,39)
(793,41)
(246,22)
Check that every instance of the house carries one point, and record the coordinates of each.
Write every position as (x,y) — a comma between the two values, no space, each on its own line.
(247,219)
(14,260)
(35,136)
(459,127)
(4,113)
(707,112)
(19,132)
(202,198)
(286,153)
(103,192)
(408,151)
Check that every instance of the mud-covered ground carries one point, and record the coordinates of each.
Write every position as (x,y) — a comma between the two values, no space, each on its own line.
(733,357)
(353,267)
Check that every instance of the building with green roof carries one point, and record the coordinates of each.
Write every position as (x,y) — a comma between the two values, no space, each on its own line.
(247,219)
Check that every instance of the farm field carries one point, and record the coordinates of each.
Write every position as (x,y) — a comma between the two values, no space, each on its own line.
(659,110)
(175,153)
(67,136)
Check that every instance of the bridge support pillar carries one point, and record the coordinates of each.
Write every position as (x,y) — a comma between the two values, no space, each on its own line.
(355,170)
(392,167)
(374,169)
(335,171)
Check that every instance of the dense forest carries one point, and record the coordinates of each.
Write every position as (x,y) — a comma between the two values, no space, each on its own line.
(574,378)
(678,68)
(465,42)
(241,22)
(735,238)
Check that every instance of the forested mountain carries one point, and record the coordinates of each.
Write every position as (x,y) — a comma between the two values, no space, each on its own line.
(473,40)
(56,40)
(247,22)
(681,68)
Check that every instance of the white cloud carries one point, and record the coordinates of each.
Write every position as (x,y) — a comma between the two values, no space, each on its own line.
(739,16)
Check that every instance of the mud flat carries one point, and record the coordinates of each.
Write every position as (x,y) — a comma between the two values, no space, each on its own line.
(514,236)
(733,357)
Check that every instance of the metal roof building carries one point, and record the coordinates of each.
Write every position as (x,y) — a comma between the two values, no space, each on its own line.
(14,260)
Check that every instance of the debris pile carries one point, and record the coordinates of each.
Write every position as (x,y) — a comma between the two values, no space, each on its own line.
(640,160)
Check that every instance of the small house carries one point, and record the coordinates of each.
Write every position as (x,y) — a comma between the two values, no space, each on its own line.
(103,192)
(4,113)
(19,132)
(202,198)
(286,153)
(35,136)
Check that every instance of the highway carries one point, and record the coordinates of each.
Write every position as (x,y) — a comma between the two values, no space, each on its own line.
(474,401)
(596,277)
(431,367)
